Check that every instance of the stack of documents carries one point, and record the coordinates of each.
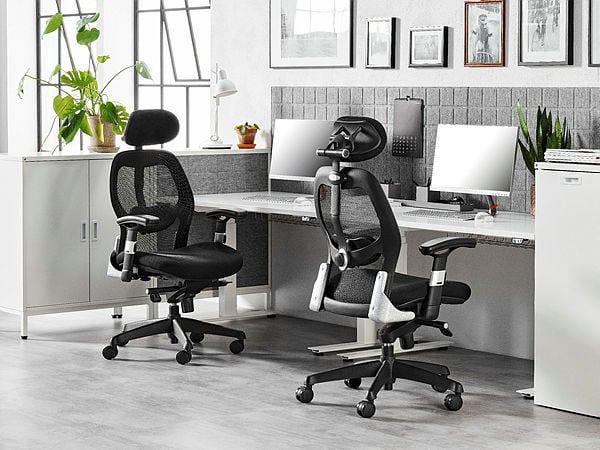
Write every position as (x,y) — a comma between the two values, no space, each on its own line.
(580,155)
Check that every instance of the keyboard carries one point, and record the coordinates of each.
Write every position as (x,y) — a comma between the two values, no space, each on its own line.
(456,216)
(270,199)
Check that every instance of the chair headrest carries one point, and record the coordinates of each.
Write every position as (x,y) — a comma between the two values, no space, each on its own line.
(150,127)
(363,137)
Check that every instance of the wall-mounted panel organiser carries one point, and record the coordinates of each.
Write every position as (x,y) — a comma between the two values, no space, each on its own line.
(408,127)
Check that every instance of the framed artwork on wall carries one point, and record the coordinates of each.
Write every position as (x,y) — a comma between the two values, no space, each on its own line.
(484,33)
(311,33)
(545,32)
(594,34)
(428,47)
(381,43)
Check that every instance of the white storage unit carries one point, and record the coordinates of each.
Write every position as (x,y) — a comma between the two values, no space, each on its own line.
(567,287)
(57,231)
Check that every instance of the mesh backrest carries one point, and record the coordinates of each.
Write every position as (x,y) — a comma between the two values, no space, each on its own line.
(153,182)
(366,219)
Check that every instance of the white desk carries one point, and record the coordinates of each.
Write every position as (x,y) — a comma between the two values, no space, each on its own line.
(516,226)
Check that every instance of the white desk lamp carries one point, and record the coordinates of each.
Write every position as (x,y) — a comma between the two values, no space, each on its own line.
(223,88)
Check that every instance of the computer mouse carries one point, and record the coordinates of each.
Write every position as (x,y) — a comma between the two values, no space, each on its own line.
(302,201)
(483,217)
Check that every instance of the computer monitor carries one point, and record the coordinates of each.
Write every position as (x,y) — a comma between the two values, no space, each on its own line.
(294,151)
(474,159)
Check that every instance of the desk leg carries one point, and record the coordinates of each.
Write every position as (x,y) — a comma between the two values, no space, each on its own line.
(228,294)
(24,325)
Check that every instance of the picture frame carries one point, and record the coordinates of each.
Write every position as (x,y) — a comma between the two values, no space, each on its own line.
(428,47)
(484,33)
(380,43)
(305,36)
(594,34)
(545,32)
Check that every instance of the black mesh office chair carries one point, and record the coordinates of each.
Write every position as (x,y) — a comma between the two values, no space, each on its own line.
(359,279)
(154,204)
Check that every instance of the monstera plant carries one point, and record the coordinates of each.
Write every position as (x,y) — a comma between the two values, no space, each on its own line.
(82,104)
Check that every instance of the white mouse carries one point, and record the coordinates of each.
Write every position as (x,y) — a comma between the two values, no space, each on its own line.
(483,217)
(302,201)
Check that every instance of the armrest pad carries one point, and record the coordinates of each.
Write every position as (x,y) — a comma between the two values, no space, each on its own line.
(142,220)
(441,244)
(231,213)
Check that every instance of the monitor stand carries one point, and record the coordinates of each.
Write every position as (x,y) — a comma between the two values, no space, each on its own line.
(435,205)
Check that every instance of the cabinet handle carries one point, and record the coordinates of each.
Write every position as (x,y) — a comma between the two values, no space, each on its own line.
(94,230)
(572,180)
(83,235)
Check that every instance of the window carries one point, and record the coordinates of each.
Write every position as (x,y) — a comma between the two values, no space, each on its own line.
(52,49)
(173,38)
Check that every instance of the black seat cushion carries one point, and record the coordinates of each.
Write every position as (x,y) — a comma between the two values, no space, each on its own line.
(342,297)
(204,261)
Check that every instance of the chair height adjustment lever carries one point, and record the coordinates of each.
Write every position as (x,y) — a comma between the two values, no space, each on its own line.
(442,326)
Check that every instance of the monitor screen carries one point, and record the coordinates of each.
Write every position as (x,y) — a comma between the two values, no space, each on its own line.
(295,144)
(474,159)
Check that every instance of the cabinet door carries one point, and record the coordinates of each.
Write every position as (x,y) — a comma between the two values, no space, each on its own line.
(55,232)
(103,231)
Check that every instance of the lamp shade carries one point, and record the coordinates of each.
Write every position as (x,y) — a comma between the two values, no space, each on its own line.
(224,86)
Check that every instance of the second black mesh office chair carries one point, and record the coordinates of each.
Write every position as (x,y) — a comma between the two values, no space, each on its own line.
(359,278)
(154,204)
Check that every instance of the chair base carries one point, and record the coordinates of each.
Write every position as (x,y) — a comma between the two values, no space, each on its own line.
(176,328)
(385,372)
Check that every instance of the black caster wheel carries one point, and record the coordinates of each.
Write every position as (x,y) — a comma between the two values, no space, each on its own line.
(183,357)
(304,394)
(453,402)
(353,383)
(24,338)
(117,316)
(196,338)
(236,346)
(365,409)
(109,352)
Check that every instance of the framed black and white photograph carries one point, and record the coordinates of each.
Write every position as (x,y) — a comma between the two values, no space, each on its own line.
(381,43)
(428,47)
(484,33)
(308,33)
(545,32)
(594,34)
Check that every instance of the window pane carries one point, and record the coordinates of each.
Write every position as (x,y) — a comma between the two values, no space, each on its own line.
(78,6)
(149,44)
(148,4)
(200,116)
(79,52)
(149,97)
(48,53)
(201,24)
(196,3)
(47,117)
(181,45)
(175,102)
(168,4)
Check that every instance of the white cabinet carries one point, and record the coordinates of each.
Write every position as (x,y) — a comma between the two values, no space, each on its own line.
(567,288)
(57,233)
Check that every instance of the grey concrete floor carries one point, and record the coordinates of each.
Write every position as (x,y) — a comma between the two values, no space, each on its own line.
(56,391)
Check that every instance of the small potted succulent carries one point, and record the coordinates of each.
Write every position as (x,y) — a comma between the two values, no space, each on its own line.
(246,134)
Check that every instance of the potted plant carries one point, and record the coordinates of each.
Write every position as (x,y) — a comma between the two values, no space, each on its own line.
(82,105)
(246,134)
(548,134)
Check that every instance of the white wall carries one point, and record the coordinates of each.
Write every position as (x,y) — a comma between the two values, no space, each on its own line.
(241,45)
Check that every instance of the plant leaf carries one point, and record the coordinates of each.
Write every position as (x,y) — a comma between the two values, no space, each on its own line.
(53,23)
(20,88)
(527,157)
(55,71)
(99,129)
(108,112)
(122,119)
(62,106)
(81,23)
(70,127)
(85,127)
(142,69)
(86,37)
(78,79)
(103,58)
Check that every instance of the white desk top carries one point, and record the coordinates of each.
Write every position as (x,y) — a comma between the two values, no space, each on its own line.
(505,225)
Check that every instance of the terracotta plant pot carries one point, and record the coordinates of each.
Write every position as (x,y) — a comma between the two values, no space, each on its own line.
(532,199)
(108,146)
(248,137)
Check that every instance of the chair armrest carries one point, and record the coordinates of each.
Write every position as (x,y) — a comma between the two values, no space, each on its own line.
(232,213)
(222,216)
(142,220)
(435,246)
